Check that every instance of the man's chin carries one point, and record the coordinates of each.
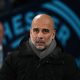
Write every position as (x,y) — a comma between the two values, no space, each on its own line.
(40,47)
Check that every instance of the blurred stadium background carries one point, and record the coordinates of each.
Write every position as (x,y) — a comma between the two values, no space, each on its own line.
(16,16)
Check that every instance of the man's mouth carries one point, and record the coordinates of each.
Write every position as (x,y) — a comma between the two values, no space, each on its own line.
(40,43)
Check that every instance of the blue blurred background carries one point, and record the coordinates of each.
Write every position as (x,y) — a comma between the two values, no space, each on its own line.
(16,16)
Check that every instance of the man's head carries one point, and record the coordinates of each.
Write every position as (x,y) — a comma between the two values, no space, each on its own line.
(1,33)
(42,31)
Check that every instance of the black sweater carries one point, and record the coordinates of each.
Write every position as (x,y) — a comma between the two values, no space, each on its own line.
(24,64)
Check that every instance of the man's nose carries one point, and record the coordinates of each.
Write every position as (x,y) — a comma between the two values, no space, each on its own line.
(40,35)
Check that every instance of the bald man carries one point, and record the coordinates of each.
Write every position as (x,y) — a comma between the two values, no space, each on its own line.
(40,57)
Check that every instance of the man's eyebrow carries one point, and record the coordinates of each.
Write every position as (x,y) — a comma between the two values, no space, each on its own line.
(46,30)
(35,28)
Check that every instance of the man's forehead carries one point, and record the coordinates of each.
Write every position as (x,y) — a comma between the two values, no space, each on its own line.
(39,28)
(42,26)
(43,20)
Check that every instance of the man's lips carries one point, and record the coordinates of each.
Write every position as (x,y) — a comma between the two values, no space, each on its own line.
(40,42)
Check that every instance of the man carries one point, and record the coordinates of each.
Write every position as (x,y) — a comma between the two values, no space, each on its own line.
(40,57)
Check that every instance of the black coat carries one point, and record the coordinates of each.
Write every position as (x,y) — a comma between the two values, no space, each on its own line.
(5,52)
(24,64)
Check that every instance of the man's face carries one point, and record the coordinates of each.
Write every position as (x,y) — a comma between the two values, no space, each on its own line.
(1,33)
(41,35)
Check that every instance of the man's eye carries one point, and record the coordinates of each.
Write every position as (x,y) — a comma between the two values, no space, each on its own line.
(45,30)
(35,30)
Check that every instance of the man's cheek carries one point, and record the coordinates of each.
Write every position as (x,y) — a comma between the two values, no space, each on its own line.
(48,37)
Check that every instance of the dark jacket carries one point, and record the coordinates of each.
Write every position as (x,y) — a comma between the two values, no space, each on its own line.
(5,52)
(24,64)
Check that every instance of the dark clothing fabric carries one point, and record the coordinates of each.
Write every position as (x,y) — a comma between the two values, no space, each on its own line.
(26,65)
(5,52)
(43,53)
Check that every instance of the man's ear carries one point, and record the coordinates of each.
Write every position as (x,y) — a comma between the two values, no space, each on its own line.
(54,34)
